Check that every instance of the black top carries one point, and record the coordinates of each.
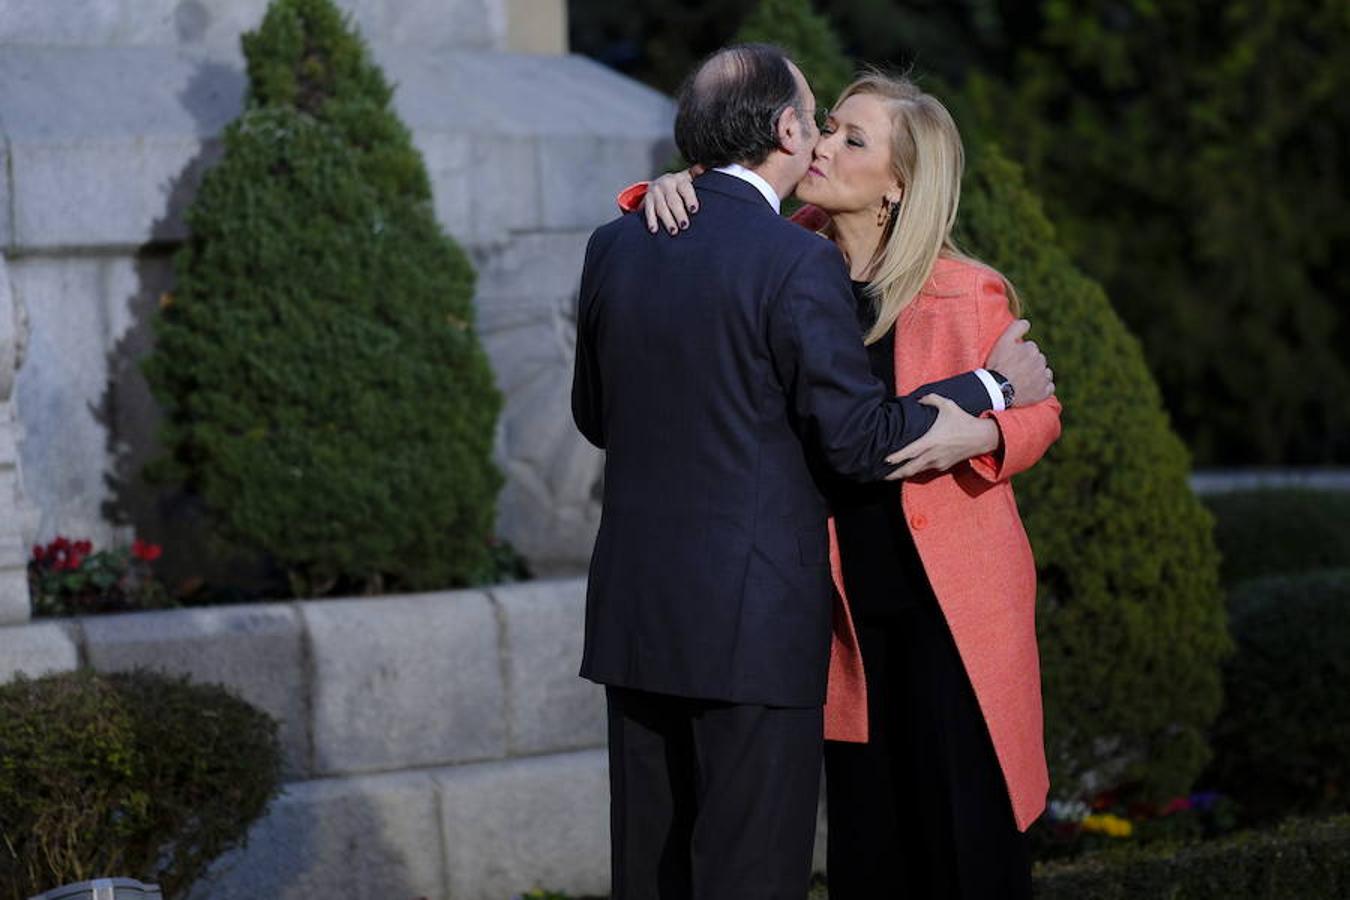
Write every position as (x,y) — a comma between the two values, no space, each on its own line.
(882,570)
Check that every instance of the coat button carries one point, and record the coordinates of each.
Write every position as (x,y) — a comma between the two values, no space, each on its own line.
(918,520)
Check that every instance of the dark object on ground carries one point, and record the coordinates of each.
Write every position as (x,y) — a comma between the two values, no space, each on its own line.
(103,889)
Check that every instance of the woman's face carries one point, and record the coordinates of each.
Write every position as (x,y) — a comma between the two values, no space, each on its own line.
(851,167)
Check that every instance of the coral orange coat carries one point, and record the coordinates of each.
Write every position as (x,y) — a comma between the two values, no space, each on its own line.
(969,536)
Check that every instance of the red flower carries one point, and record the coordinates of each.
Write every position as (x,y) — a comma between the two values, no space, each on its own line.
(145,551)
(1176,805)
(39,553)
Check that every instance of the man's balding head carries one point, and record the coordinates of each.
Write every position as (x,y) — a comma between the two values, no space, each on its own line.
(728,109)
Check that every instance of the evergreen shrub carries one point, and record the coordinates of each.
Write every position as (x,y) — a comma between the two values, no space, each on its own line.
(1280,742)
(1130,619)
(1299,860)
(134,774)
(1280,531)
(324,390)
(808,38)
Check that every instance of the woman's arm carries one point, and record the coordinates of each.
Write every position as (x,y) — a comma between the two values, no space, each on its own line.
(1025,432)
(670,200)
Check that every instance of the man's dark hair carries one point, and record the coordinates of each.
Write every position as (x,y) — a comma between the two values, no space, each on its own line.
(728,108)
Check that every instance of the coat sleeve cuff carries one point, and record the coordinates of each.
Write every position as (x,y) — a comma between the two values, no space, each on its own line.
(630,198)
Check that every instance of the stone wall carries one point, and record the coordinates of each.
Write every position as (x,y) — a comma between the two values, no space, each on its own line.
(110,111)
(15,513)
(436,745)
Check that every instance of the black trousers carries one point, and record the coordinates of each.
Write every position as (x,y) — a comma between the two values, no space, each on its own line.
(711,800)
(921,811)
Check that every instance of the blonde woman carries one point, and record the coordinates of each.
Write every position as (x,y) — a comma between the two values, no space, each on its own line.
(935,763)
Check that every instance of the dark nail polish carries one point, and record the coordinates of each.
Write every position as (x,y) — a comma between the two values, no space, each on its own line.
(684,224)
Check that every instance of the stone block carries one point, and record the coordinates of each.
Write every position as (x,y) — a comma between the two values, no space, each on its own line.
(6,207)
(526,301)
(366,837)
(36,649)
(11,336)
(579,177)
(503,191)
(107,144)
(537,26)
(549,707)
(402,682)
(517,825)
(15,604)
(80,380)
(476,23)
(255,651)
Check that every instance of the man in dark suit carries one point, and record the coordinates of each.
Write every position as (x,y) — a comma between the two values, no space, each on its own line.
(723,372)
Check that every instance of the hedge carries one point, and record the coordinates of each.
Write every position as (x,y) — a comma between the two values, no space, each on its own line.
(134,774)
(1300,860)
(1280,742)
(1279,531)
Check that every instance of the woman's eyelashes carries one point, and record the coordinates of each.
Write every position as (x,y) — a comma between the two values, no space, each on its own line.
(852,140)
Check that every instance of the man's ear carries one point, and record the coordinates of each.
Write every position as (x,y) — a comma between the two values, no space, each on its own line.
(789,130)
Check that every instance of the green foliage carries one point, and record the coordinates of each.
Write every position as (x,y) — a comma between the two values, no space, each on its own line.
(133,774)
(1194,155)
(656,41)
(809,40)
(1300,860)
(1130,620)
(324,390)
(1280,532)
(1280,743)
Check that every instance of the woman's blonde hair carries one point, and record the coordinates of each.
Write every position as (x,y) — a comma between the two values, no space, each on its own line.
(928,160)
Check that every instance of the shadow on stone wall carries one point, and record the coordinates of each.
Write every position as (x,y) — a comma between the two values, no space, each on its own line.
(195,558)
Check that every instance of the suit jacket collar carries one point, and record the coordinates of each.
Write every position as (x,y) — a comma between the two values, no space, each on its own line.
(731,186)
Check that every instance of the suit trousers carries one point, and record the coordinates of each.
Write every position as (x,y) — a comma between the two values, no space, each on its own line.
(709,799)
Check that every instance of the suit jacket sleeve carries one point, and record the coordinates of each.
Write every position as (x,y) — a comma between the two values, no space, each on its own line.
(1026,432)
(587,405)
(839,406)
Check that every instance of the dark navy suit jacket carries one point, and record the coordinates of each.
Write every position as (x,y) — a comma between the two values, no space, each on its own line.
(723,371)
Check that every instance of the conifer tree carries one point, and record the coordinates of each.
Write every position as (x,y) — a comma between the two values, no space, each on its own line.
(324,390)
(1130,617)
(809,40)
